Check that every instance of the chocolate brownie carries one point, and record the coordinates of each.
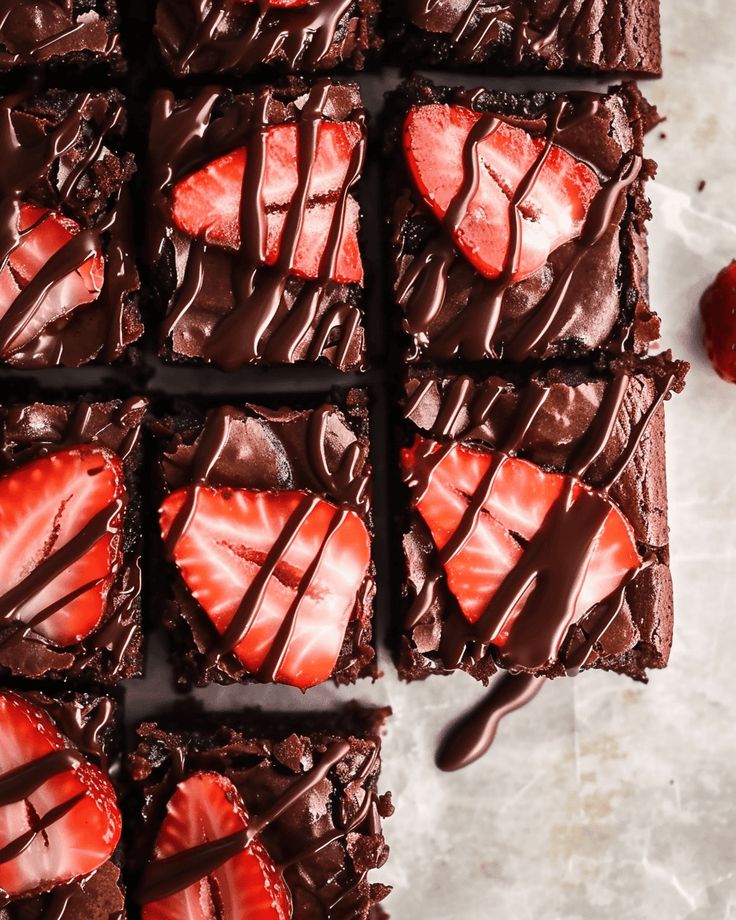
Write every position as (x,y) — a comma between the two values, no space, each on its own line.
(299,792)
(266,523)
(241,38)
(536,534)
(68,279)
(518,222)
(568,36)
(57,754)
(70,538)
(77,33)
(280,164)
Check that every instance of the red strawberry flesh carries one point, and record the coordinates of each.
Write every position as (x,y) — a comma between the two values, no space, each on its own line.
(206,808)
(553,211)
(44,505)
(227,543)
(76,843)
(522,496)
(207,203)
(718,308)
(43,234)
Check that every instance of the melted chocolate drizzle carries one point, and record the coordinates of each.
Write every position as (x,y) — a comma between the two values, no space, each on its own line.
(531,30)
(164,877)
(423,286)
(344,482)
(246,38)
(261,326)
(25,164)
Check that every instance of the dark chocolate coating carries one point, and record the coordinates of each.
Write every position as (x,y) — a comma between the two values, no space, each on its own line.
(323,451)
(65,151)
(567,36)
(632,458)
(113,652)
(265,756)
(221,306)
(607,264)
(241,38)
(92,725)
(70,32)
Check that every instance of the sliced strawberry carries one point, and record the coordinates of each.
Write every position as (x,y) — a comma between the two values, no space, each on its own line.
(205,808)
(552,212)
(227,543)
(43,506)
(43,234)
(207,203)
(521,497)
(79,840)
(718,306)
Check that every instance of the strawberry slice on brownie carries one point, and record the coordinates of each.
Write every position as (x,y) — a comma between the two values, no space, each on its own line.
(53,279)
(510,501)
(59,818)
(485,176)
(207,203)
(61,541)
(227,876)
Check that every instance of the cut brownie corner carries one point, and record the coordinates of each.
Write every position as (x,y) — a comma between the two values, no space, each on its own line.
(70,608)
(69,287)
(292,488)
(289,289)
(535,534)
(307,783)
(500,262)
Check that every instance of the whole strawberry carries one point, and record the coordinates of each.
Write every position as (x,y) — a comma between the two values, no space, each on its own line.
(718,306)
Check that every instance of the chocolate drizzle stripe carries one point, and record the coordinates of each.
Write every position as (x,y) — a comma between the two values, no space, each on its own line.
(164,877)
(20,844)
(60,559)
(18,784)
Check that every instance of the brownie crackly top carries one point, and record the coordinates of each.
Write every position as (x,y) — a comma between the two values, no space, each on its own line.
(518,222)
(254,226)
(304,477)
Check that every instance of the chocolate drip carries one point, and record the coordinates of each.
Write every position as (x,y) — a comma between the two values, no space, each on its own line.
(164,877)
(473,735)
(261,325)
(18,784)
(424,285)
(15,847)
(300,37)
(541,589)
(25,164)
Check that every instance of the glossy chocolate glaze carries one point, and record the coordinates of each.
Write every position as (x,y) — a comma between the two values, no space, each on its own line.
(600,429)
(91,726)
(60,150)
(58,31)
(451,310)
(226,307)
(568,35)
(220,37)
(113,651)
(323,452)
(310,790)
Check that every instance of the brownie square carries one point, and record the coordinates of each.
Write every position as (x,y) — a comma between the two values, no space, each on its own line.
(68,279)
(243,38)
(267,528)
(90,729)
(535,536)
(77,33)
(280,165)
(309,783)
(518,222)
(565,36)
(70,607)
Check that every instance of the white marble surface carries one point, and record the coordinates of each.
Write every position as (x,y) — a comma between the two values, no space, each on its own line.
(605,799)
